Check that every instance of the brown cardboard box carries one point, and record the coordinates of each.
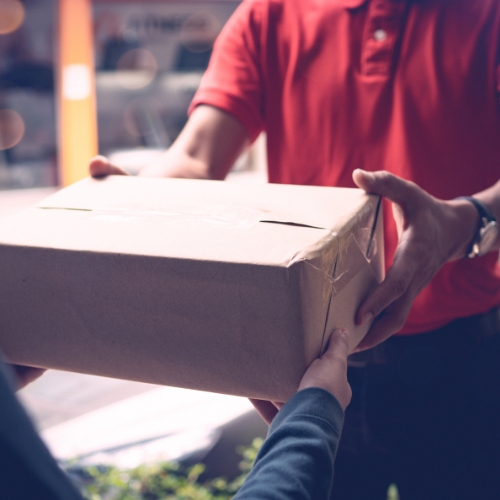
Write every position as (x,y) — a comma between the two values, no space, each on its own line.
(231,288)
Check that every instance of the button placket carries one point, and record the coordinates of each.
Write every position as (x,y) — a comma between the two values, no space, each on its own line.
(383,27)
(497,81)
(380,35)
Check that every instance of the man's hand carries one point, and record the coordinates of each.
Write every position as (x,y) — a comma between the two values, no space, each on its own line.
(207,148)
(328,372)
(431,233)
(101,167)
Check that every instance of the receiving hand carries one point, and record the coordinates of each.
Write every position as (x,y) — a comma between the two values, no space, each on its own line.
(328,372)
(431,233)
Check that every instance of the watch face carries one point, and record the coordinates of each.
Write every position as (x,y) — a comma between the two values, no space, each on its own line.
(487,238)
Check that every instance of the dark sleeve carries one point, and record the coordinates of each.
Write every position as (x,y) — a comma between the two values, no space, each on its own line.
(296,460)
(27,469)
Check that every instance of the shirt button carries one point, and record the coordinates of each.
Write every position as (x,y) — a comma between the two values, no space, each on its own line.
(380,35)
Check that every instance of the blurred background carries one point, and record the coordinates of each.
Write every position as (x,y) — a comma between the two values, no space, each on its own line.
(28,151)
(147,59)
(148,56)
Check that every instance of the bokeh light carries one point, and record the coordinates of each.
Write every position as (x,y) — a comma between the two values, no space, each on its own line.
(11,16)
(137,68)
(199,31)
(12,128)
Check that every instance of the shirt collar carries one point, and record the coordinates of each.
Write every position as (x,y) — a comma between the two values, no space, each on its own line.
(351,4)
(354,4)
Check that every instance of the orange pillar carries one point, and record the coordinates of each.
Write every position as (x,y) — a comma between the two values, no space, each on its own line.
(77,120)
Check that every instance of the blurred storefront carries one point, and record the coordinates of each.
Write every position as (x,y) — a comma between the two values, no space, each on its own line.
(149,57)
(27,100)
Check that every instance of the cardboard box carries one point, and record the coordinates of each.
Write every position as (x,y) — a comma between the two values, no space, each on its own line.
(231,288)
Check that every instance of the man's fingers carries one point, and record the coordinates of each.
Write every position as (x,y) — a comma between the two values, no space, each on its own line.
(101,167)
(266,409)
(385,184)
(392,320)
(396,283)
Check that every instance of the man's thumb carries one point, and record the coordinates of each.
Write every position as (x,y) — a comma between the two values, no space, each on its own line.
(385,184)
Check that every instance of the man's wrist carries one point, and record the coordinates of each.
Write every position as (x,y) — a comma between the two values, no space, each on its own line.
(487,229)
(464,226)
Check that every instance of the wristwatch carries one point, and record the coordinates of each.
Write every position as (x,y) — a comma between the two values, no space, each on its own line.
(487,231)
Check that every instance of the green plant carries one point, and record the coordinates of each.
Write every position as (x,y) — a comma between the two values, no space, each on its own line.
(168,481)
(162,481)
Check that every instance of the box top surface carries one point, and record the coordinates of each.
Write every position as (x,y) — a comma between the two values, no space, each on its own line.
(265,224)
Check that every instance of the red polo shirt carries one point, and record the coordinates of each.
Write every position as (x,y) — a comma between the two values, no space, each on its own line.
(406,86)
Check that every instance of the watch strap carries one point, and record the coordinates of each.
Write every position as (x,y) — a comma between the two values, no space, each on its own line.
(484,213)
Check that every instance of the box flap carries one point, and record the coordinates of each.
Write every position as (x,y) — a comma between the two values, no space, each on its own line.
(218,201)
(169,217)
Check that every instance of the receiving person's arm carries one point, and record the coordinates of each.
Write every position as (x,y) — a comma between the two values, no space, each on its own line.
(296,460)
(27,470)
(207,148)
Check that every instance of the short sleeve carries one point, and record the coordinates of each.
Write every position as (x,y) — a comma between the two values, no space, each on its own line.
(233,81)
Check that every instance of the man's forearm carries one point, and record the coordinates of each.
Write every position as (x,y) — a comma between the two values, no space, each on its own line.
(206,148)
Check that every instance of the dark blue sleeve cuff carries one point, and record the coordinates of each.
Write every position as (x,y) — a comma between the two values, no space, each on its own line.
(312,403)
(296,460)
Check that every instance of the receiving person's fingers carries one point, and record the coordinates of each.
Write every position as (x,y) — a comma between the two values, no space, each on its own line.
(266,409)
(338,346)
(329,372)
(101,167)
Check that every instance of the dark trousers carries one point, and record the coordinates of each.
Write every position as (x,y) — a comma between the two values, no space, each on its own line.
(425,415)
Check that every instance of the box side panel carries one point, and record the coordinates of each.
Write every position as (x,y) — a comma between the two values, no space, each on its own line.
(336,275)
(233,329)
(359,270)
(316,287)
(345,303)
